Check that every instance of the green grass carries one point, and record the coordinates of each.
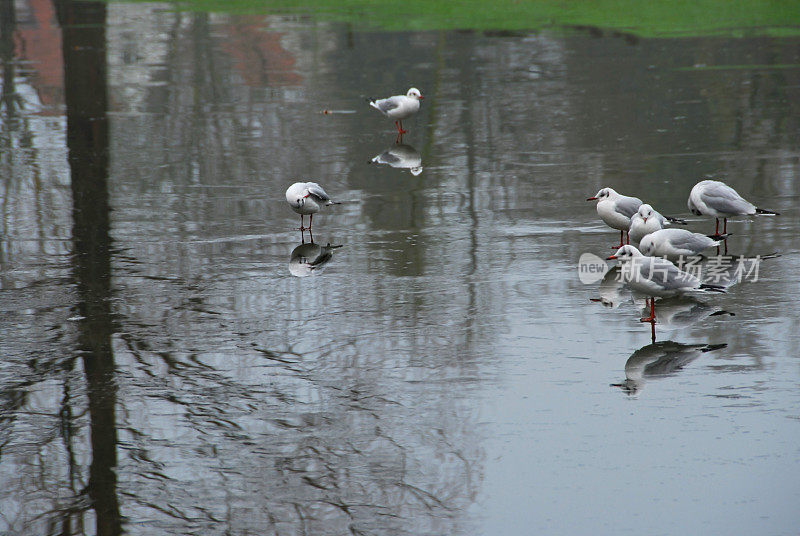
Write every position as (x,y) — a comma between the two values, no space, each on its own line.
(646,18)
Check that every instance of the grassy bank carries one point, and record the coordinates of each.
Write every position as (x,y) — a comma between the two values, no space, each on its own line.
(646,18)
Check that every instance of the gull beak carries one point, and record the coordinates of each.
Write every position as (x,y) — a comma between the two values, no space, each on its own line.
(592,199)
(645,220)
(421,97)
(611,258)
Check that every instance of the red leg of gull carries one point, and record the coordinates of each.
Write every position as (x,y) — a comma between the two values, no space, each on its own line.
(652,317)
(310,222)
(621,243)
(627,237)
(717,231)
(653,331)
(301,223)
(725,229)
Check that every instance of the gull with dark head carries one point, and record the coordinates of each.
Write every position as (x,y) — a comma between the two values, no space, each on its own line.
(307,198)
(399,107)
(715,198)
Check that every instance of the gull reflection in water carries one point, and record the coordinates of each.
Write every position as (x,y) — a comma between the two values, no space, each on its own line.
(682,311)
(401,156)
(310,258)
(659,360)
(612,291)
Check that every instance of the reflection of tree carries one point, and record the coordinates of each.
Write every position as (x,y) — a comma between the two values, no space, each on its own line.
(84,49)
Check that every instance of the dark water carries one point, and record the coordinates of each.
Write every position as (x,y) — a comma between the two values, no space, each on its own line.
(164,371)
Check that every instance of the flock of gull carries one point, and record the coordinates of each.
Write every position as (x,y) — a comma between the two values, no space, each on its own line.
(652,252)
(649,268)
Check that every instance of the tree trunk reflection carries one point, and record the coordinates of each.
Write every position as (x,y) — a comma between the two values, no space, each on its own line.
(85,71)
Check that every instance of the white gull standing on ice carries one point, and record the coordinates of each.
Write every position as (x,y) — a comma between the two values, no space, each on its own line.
(616,209)
(307,198)
(654,276)
(399,107)
(715,198)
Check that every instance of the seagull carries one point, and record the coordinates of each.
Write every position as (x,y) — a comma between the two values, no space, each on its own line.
(307,198)
(715,198)
(677,243)
(654,276)
(648,220)
(399,107)
(616,210)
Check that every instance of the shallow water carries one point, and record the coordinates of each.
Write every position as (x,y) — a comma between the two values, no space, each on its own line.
(444,371)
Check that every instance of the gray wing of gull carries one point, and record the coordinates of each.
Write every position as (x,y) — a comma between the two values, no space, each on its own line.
(387,105)
(691,241)
(724,199)
(666,275)
(628,205)
(317,191)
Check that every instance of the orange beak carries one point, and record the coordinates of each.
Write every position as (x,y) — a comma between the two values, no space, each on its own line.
(592,199)
(611,258)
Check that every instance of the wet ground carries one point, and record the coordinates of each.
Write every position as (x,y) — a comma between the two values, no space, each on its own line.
(177,358)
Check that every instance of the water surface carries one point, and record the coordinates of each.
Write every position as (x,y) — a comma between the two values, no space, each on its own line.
(444,371)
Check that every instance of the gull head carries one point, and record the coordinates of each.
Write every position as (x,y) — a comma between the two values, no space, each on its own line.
(604,193)
(645,211)
(414,93)
(647,245)
(625,253)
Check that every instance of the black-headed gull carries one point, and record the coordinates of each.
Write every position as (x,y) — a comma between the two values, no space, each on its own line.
(655,276)
(677,243)
(399,107)
(616,209)
(715,198)
(307,198)
(648,220)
